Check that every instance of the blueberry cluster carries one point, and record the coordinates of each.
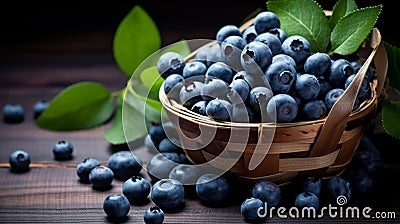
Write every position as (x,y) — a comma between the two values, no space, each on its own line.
(260,74)
(15,112)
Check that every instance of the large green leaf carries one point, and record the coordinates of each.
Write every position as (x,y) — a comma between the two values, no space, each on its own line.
(152,80)
(305,18)
(391,118)
(115,134)
(352,29)
(393,73)
(136,37)
(82,105)
(340,9)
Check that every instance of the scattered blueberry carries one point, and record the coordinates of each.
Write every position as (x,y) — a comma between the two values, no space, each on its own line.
(101,177)
(168,194)
(84,168)
(312,184)
(212,188)
(62,150)
(136,189)
(124,164)
(169,145)
(19,161)
(13,113)
(268,192)
(159,166)
(150,145)
(154,215)
(187,174)
(307,199)
(116,206)
(157,133)
(337,186)
(251,208)
(39,107)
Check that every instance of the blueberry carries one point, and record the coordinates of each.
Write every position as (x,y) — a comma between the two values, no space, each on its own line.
(271,40)
(254,80)
(214,54)
(312,184)
(226,31)
(281,77)
(195,70)
(168,194)
(150,144)
(339,71)
(358,64)
(307,86)
(172,86)
(190,93)
(201,56)
(221,71)
(268,192)
(307,199)
(249,34)
(250,210)
(13,113)
(313,109)
(265,21)
(39,107)
(159,166)
(200,107)
(282,106)
(124,164)
(332,96)
(157,133)
(284,57)
(256,57)
(259,97)
(187,174)
(214,88)
(219,109)
(101,177)
(368,161)
(337,186)
(62,150)
(154,215)
(281,34)
(359,179)
(116,206)
(243,114)
(231,48)
(324,87)
(212,188)
(83,168)
(170,63)
(169,145)
(298,48)
(241,87)
(19,161)
(136,189)
(317,64)
(365,90)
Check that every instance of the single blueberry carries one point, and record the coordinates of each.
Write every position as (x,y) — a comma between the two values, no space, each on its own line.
(265,21)
(312,184)
(259,97)
(337,187)
(116,206)
(214,54)
(101,177)
(168,194)
(243,114)
(187,174)
(39,107)
(221,71)
(359,179)
(252,210)
(339,71)
(284,57)
(201,56)
(84,168)
(313,109)
(62,150)
(256,57)
(169,145)
(154,215)
(214,88)
(124,164)
(172,85)
(254,80)
(358,64)
(190,93)
(212,188)
(306,199)
(200,107)
(271,40)
(19,161)
(281,34)
(231,48)
(241,87)
(368,161)
(283,107)
(324,87)
(219,109)
(170,63)
(307,86)
(268,192)
(317,64)
(157,133)
(364,91)
(136,189)
(150,144)
(332,96)
(13,113)
(298,48)
(249,34)
(281,76)
(226,31)
(195,70)
(159,166)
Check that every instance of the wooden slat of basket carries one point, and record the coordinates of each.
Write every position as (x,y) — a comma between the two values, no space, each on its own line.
(309,163)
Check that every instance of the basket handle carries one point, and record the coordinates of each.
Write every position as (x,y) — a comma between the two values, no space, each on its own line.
(335,123)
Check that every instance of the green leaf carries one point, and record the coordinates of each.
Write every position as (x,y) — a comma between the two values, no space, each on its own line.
(352,29)
(152,79)
(340,9)
(391,118)
(136,37)
(82,105)
(115,134)
(393,73)
(305,18)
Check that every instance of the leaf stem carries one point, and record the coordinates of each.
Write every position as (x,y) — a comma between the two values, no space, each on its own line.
(118,92)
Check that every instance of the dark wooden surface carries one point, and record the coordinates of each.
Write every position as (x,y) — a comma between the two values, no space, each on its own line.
(55,53)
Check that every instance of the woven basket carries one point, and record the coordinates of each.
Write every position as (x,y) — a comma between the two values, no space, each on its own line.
(320,147)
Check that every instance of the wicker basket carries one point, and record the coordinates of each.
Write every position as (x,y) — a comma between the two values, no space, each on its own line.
(321,147)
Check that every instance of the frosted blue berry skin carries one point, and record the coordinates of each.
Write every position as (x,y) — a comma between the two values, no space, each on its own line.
(219,109)
(306,199)
(317,64)
(39,107)
(339,71)
(136,189)
(307,87)
(212,188)
(116,206)
(124,164)
(249,208)
(221,71)
(281,76)
(280,33)
(283,106)
(171,81)
(101,177)
(83,168)
(313,109)
(200,107)
(13,113)
(265,21)
(62,150)
(168,194)
(249,34)
(271,40)
(256,57)
(214,88)
(153,215)
(298,48)
(226,31)
(170,63)
(195,70)
(268,192)
(190,93)
(19,161)
(284,57)
(332,96)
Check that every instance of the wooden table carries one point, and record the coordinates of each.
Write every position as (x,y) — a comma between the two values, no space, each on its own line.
(51,193)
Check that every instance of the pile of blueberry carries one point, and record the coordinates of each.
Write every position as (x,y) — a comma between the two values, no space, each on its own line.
(15,112)
(260,74)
